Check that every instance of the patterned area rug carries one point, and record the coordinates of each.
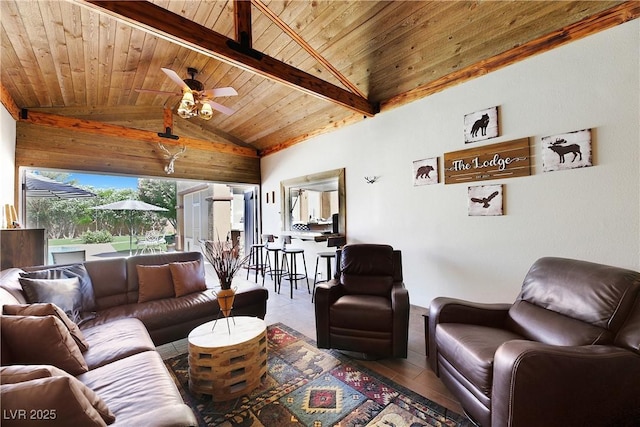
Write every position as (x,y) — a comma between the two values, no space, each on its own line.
(306,386)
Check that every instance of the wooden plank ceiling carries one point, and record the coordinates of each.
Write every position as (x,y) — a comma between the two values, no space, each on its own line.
(75,59)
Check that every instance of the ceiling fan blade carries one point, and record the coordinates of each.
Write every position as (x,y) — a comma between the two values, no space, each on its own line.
(220,91)
(226,110)
(176,78)
(158,92)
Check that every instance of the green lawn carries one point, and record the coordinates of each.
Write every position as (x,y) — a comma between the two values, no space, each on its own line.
(61,242)
(78,241)
(119,243)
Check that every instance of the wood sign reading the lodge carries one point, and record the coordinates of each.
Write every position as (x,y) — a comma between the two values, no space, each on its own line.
(503,160)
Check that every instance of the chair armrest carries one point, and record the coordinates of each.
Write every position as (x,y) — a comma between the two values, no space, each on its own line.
(326,294)
(400,306)
(585,385)
(452,310)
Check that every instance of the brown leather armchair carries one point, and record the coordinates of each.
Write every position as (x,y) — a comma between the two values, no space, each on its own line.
(567,352)
(365,308)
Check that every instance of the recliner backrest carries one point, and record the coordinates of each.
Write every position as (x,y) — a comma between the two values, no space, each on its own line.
(629,335)
(572,302)
(369,268)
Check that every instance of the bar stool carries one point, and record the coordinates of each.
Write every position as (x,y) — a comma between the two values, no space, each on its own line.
(290,265)
(272,267)
(256,260)
(332,242)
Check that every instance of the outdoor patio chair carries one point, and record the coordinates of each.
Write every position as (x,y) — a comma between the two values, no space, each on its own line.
(153,242)
(69,257)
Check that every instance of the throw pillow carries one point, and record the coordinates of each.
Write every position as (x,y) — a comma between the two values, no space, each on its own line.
(65,293)
(188,277)
(154,282)
(51,273)
(57,400)
(49,309)
(13,374)
(76,270)
(42,340)
(86,286)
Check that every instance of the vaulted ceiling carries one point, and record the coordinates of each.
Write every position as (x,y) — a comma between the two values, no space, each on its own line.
(304,67)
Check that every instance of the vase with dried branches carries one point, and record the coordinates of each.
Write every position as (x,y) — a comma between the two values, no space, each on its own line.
(226,261)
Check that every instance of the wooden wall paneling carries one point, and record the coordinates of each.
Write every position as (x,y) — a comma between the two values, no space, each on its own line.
(106,129)
(46,147)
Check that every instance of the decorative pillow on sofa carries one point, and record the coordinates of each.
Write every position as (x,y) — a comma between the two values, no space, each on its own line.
(60,400)
(42,340)
(65,293)
(188,277)
(49,274)
(48,309)
(75,270)
(13,374)
(154,282)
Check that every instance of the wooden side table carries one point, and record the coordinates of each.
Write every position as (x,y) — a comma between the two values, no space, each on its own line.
(224,363)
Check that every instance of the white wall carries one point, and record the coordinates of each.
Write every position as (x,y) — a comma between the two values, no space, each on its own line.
(590,213)
(7,156)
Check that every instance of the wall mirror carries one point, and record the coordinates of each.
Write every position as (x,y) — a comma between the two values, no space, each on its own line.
(315,203)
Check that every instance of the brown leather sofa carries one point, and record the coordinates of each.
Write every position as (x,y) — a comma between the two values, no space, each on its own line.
(566,352)
(365,308)
(120,365)
(115,284)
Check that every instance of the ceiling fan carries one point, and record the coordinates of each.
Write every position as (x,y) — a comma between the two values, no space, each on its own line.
(196,102)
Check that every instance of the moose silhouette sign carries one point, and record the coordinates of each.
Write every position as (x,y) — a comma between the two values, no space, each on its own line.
(566,151)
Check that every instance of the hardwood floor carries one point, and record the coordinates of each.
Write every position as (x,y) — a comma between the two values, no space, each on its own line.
(298,313)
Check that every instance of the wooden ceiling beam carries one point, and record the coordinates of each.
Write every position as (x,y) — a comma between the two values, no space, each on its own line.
(8,102)
(242,17)
(105,129)
(177,29)
(306,46)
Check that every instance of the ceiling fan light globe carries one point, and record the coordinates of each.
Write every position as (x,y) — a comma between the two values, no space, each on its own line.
(187,99)
(184,111)
(206,112)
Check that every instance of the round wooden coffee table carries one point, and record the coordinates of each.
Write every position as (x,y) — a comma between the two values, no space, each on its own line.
(227,363)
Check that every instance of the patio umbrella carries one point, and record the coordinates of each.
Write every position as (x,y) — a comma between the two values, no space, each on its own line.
(41,186)
(130,206)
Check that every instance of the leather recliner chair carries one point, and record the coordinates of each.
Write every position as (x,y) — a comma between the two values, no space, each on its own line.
(365,308)
(567,352)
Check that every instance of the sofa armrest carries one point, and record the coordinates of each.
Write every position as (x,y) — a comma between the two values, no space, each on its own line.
(400,306)
(586,385)
(452,310)
(325,295)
